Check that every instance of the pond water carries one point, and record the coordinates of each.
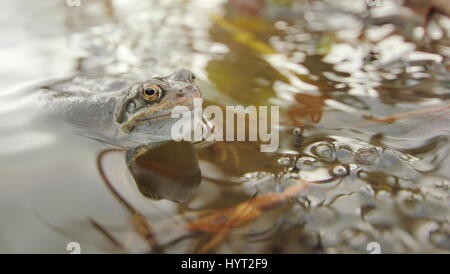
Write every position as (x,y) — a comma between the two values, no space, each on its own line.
(364,104)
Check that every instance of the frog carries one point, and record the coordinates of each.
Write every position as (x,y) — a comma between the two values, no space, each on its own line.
(118,111)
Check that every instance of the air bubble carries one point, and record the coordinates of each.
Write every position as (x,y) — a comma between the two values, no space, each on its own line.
(297,131)
(305,162)
(363,175)
(339,170)
(367,156)
(284,161)
(325,151)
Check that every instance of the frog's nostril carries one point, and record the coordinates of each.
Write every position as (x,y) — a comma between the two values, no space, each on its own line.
(180,92)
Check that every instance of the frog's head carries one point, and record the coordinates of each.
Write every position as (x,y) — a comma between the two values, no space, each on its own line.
(146,109)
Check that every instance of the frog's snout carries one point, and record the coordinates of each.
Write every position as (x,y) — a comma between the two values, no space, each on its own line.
(183,75)
(188,90)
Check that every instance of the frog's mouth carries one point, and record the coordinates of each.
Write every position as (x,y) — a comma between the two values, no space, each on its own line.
(161,115)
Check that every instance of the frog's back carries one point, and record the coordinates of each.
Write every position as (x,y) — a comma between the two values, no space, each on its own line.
(83,85)
(83,102)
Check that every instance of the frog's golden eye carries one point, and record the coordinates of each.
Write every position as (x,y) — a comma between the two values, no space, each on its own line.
(151,93)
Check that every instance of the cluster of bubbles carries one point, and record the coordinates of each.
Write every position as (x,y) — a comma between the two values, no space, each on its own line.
(361,193)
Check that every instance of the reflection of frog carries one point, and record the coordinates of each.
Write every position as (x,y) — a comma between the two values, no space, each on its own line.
(119,112)
(169,171)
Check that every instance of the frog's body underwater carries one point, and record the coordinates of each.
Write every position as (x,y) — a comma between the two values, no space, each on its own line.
(118,112)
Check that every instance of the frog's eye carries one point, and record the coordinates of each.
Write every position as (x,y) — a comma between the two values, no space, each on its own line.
(151,93)
(192,77)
